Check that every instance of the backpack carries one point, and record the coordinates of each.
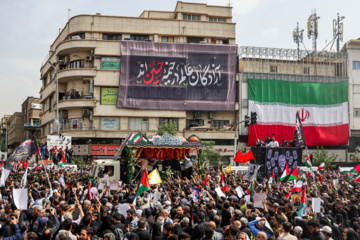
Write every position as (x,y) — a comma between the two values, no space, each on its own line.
(119,234)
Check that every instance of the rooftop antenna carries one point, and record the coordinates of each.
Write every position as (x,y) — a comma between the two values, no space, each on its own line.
(298,37)
(69,13)
(338,30)
(313,28)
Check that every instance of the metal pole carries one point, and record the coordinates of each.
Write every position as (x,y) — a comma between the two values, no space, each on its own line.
(57,103)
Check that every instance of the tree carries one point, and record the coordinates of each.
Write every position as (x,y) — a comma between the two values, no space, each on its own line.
(170,127)
(355,157)
(78,160)
(322,155)
(211,155)
(130,161)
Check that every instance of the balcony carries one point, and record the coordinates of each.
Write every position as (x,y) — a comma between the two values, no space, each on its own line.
(85,102)
(71,73)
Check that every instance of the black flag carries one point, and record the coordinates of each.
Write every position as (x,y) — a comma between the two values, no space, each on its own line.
(299,134)
(25,150)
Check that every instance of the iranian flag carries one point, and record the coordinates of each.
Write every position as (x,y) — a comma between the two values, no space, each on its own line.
(322,109)
(143,186)
(302,202)
(296,189)
(137,138)
(321,167)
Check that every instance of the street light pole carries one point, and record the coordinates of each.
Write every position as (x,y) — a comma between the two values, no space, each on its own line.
(57,98)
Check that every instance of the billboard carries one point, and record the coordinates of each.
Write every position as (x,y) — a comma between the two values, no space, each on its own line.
(176,76)
(108,96)
(58,141)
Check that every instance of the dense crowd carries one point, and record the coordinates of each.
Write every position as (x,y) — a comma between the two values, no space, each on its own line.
(184,209)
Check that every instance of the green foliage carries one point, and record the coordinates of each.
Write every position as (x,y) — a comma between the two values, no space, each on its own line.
(356,157)
(211,155)
(130,161)
(322,155)
(169,127)
(78,160)
(166,175)
(38,142)
(201,160)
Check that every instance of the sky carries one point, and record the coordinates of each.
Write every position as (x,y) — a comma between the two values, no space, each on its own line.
(30,27)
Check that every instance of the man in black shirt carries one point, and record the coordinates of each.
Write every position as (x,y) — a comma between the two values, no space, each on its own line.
(315,234)
(141,232)
(267,140)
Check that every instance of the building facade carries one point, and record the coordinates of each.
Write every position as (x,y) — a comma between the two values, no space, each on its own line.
(31,109)
(15,131)
(3,133)
(85,59)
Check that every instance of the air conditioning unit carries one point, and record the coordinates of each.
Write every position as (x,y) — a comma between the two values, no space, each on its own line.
(211,115)
(88,58)
(197,115)
(86,112)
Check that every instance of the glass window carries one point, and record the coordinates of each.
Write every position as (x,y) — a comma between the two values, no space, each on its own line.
(76,124)
(139,37)
(110,63)
(78,36)
(356,112)
(52,74)
(306,70)
(219,123)
(45,81)
(356,65)
(109,123)
(75,64)
(105,170)
(51,103)
(167,39)
(137,124)
(191,17)
(107,36)
(273,69)
(162,121)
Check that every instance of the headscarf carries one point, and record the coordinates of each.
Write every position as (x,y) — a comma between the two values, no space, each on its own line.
(352,235)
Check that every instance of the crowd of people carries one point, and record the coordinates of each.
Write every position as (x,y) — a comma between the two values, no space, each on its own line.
(55,154)
(272,142)
(185,209)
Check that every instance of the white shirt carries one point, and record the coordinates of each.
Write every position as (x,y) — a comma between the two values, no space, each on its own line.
(273,144)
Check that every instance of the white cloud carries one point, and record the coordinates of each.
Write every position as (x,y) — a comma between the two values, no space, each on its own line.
(270,31)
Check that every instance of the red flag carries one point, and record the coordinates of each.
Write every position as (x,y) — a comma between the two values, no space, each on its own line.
(89,190)
(273,175)
(15,164)
(309,174)
(245,158)
(69,186)
(206,179)
(238,156)
(222,182)
(320,178)
(45,164)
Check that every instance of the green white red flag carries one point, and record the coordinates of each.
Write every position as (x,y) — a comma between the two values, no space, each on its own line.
(321,167)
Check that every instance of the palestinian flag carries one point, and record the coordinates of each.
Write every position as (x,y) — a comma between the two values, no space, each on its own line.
(223,183)
(143,186)
(273,177)
(302,202)
(308,161)
(285,173)
(356,169)
(296,189)
(60,164)
(206,180)
(321,167)
(250,190)
(93,181)
(294,175)
(357,178)
(322,109)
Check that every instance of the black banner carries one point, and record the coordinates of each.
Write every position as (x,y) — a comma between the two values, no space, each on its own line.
(175,76)
(276,159)
(299,134)
(25,150)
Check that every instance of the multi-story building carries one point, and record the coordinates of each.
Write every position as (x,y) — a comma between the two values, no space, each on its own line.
(290,66)
(31,109)
(3,132)
(15,128)
(85,59)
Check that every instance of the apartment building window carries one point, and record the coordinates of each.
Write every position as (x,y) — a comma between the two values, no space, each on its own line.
(36,122)
(167,39)
(191,17)
(45,81)
(219,123)
(273,69)
(44,107)
(139,37)
(194,39)
(109,123)
(51,103)
(76,64)
(163,121)
(78,36)
(356,65)
(306,70)
(137,124)
(76,124)
(52,74)
(357,112)
(112,63)
(45,130)
(107,36)
(217,19)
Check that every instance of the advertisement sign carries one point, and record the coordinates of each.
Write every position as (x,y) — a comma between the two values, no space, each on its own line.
(177,76)
(108,96)
(109,123)
(276,159)
(104,149)
(58,142)
(80,149)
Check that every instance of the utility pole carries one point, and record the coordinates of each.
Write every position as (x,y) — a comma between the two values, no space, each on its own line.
(313,28)
(298,37)
(338,30)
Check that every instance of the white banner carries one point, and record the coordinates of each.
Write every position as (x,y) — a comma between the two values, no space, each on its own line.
(58,142)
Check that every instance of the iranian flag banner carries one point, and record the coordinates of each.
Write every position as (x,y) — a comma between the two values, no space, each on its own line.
(322,108)
(296,189)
